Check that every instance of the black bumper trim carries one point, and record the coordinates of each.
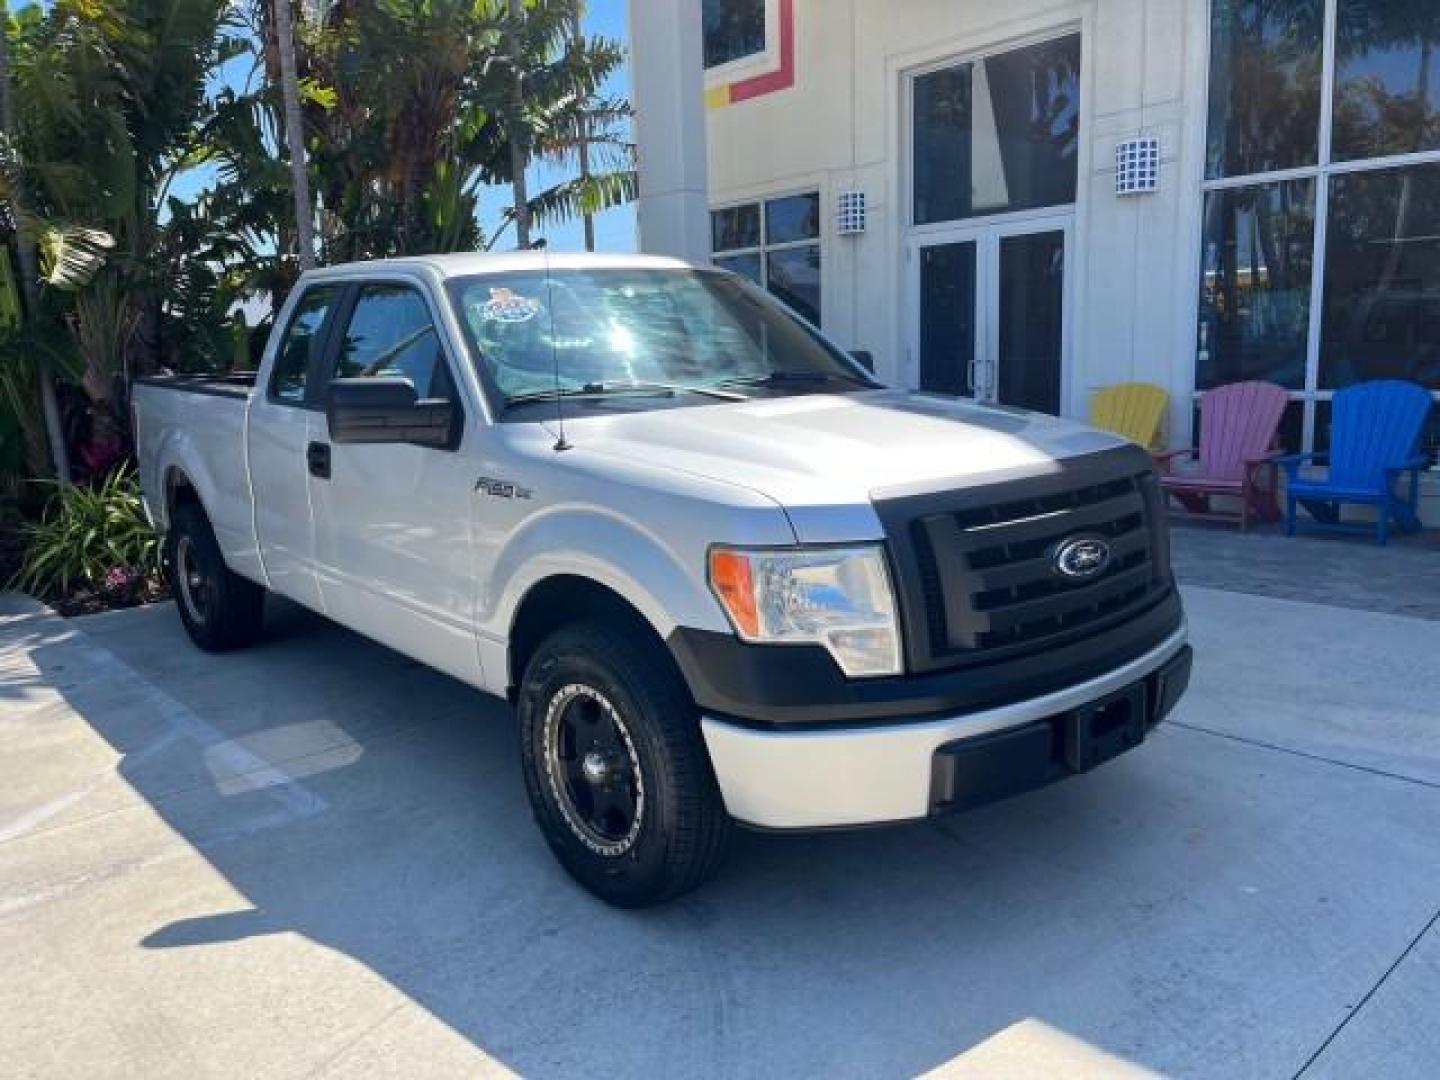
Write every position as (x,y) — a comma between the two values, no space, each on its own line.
(969,773)
(770,686)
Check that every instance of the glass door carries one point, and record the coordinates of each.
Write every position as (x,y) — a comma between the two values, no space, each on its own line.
(1028,347)
(991,319)
(950,322)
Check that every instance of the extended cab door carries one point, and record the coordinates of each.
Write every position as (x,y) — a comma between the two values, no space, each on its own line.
(392,520)
(283,426)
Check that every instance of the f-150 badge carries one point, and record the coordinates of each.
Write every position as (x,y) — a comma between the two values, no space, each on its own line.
(501,489)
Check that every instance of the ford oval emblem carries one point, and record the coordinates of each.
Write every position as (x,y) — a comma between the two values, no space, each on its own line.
(1080,558)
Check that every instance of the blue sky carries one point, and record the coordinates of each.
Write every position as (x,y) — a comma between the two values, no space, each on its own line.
(614,230)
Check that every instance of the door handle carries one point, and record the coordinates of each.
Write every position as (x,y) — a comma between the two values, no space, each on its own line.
(317,458)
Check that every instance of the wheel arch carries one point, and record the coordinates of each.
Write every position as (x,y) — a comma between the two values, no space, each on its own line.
(563,599)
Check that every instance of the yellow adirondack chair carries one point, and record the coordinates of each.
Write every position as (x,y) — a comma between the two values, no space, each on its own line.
(1134,410)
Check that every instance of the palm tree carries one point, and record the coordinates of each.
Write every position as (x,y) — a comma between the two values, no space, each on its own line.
(519,135)
(295,134)
(582,143)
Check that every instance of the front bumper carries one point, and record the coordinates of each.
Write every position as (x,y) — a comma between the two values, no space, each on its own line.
(845,777)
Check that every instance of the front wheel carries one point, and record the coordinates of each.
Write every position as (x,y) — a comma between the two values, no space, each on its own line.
(616,768)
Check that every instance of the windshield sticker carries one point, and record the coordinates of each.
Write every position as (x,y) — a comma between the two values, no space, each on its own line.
(505,306)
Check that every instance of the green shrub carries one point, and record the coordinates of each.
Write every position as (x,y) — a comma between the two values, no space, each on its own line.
(89,537)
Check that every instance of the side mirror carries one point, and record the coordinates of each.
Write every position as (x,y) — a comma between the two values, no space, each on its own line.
(387,410)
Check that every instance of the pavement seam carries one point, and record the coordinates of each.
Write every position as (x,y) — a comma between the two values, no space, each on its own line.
(1263,745)
(1368,995)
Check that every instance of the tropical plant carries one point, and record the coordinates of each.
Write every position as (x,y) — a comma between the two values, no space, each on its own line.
(411,108)
(89,534)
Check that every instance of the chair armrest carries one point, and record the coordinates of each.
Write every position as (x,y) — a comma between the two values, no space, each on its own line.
(1415,464)
(1163,458)
(1291,462)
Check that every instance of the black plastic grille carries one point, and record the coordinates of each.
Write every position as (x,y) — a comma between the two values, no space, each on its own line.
(987,576)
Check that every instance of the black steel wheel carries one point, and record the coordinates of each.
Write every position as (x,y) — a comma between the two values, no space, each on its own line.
(220,609)
(616,767)
(593,770)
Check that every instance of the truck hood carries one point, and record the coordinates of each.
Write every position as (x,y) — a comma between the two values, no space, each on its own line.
(823,457)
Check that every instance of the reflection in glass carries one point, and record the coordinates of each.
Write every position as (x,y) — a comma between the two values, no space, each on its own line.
(1255,284)
(999,134)
(735,227)
(734,29)
(1265,62)
(947,318)
(794,277)
(745,265)
(796,217)
(1387,78)
(1382,278)
(301,339)
(1032,307)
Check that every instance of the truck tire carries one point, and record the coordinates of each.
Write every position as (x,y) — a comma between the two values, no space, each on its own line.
(220,609)
(616,768)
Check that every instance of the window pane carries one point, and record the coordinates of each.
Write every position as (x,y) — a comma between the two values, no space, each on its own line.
(795,218)
(794,276)
(948,298)
(735,227)
(1387,78)
(1382,278)
(1000,134)
(734,29)
(391,335)
(1255,284)
(301,339)
(744,265)
(1265,59)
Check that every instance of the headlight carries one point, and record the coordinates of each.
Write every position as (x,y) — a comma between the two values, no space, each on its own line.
(836,597)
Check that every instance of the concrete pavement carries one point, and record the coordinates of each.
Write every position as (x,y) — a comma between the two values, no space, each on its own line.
(315,858)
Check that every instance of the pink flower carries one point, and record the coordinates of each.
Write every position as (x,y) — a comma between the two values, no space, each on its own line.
(120,579)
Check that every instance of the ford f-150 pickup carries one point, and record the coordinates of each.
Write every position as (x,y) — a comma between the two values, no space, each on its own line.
(725,576)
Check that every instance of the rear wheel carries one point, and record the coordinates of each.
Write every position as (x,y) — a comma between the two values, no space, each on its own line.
(220,609)
(616,768)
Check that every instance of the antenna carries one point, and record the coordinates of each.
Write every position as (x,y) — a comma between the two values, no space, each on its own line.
(560,444)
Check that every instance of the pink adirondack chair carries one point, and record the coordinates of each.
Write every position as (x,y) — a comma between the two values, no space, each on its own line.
(1238,424)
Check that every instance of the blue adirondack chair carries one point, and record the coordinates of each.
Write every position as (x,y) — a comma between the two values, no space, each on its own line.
(1375,439)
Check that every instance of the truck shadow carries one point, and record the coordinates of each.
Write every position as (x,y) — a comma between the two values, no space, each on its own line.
(375,807)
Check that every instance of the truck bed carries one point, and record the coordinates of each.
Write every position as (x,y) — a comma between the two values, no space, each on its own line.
(235,384)
(194,426)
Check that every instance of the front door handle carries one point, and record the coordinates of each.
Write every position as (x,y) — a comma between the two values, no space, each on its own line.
(317,457)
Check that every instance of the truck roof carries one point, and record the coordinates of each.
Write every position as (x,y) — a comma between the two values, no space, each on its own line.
(462,264)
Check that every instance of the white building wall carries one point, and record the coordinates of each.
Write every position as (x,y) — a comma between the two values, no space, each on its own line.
(843,124)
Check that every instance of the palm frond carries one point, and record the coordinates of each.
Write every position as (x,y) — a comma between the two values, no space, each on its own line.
(71,256)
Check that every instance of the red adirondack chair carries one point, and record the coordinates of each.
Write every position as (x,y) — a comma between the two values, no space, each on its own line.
(1238,423)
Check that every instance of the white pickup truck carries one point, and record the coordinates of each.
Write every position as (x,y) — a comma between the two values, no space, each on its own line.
(725,576)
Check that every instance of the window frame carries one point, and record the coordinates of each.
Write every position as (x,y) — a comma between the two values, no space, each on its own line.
(764,248)
(756,63)
(1326,168)
(345,310)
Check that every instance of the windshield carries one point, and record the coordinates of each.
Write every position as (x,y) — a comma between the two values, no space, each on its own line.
(636,334)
